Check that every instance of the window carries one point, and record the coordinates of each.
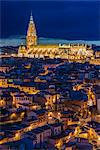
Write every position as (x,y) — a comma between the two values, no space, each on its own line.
(55,131)
(58,130)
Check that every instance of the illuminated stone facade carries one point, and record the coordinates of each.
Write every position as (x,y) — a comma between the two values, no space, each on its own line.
(65,51)
(31,38)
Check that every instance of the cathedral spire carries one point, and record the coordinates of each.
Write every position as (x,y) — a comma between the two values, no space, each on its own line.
(31,18)
(31,38)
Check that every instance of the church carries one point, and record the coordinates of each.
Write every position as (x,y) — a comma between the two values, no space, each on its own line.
(65,51)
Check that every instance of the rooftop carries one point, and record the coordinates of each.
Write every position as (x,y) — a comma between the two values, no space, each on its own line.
(40,111)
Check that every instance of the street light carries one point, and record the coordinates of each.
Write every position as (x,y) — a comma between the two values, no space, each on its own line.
(59,144)
(17,136)
(13,116)
(30,127)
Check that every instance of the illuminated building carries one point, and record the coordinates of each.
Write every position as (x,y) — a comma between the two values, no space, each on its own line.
(65,51)
(4,68)
(3,82)
(5,100)
(91,98)
(21,99)
(97,54)
(31,38)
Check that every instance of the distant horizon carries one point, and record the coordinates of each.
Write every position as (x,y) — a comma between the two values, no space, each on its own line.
(16,41)
(39,37)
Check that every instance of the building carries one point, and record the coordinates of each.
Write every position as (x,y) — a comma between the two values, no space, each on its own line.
(65,51)
(40,114)
(5,100)
(20,99)
(3,82)
(41,135)
(4,68)
(25,143)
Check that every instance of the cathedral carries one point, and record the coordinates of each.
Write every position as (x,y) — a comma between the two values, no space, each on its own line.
(65,51)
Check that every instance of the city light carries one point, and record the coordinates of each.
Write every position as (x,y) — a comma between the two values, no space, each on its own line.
(49,90)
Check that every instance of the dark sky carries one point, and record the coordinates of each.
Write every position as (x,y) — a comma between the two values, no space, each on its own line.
(72,20)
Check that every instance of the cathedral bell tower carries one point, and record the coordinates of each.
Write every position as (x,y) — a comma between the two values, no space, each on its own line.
(31,38)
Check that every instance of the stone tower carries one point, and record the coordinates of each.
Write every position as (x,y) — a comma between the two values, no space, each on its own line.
(31,38)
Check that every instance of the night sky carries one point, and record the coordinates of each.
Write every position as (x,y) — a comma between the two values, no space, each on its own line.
(71,20)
